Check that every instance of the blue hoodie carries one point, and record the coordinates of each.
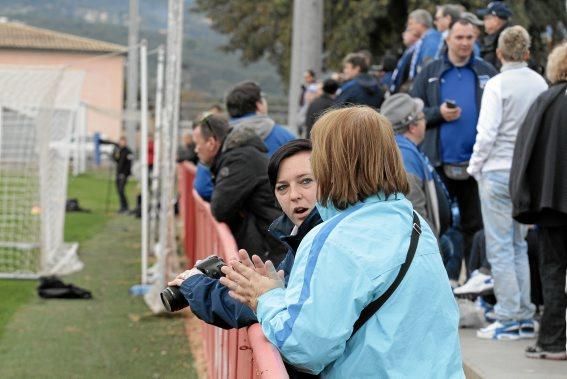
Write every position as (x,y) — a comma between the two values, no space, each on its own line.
(363,89)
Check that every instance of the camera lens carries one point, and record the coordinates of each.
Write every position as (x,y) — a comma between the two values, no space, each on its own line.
(172,299)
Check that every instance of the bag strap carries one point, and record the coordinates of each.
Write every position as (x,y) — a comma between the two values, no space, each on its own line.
(371,308)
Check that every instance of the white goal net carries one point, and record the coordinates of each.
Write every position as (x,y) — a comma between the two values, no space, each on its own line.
(37,109)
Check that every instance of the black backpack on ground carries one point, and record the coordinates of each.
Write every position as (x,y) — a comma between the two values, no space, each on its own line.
(51,287)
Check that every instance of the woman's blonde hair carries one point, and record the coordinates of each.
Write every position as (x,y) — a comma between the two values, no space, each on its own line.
(556,70)
(514,44)
(355,156)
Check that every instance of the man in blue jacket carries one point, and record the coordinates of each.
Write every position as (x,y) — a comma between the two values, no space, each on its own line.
(360,87)
(247,108)
(451,89)
(421,23)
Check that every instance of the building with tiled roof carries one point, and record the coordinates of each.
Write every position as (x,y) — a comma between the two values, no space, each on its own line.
(21,36)
(102,62)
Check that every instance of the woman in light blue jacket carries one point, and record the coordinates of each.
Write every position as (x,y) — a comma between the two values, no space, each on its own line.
(350,260)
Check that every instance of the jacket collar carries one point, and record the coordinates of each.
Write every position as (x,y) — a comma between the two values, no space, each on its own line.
(282,227)
(448,64)
(329,211)
(512,66)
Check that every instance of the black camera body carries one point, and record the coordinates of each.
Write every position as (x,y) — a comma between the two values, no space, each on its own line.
(172,298)
(211,267)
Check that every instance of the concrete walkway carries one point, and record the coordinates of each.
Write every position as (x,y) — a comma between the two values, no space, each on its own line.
(490,359)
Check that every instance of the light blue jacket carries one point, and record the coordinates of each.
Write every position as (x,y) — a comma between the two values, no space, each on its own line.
(341,266)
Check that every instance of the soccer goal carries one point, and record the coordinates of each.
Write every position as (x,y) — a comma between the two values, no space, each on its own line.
(37,109)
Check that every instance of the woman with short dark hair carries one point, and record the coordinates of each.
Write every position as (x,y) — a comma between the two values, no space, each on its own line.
(295,190)
(369,249)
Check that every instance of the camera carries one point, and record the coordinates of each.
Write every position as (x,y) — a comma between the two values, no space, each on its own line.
(172,298)
(211,267)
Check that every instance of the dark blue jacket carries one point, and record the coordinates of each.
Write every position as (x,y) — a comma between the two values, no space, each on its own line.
(425,51)
(427,87)
(363,89)
(209,299)
(401,74)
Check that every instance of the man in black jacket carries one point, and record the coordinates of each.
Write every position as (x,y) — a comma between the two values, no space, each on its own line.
(242,197)
(319,105)
(451,88)
(495,18)
(123,157)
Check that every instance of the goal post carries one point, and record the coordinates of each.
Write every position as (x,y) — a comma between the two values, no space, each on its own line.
(38,106)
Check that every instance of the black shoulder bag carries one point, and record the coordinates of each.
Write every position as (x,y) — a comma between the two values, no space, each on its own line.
(371,308)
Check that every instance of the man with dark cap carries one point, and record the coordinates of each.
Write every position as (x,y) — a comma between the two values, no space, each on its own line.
(496,18)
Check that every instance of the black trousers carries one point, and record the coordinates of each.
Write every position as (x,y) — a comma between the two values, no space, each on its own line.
(121,181)
(468,200)
(553,267)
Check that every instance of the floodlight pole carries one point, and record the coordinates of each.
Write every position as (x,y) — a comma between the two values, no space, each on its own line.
(132,76)
(306,50)
(170,117)
(144,155)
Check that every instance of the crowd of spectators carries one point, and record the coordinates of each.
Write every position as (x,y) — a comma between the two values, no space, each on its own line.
(462,131)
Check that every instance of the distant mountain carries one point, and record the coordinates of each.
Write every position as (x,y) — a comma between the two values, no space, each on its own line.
(207,69)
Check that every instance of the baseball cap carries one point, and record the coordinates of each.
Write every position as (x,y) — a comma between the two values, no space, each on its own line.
(496,8)
(471,17)
(401,109)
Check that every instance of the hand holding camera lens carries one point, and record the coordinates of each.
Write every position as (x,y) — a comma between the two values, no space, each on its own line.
(172,298)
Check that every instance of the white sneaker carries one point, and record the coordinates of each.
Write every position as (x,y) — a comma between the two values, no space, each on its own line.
(500,331)
(478,283)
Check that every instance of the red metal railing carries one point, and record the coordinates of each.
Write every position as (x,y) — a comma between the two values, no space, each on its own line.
(231,354)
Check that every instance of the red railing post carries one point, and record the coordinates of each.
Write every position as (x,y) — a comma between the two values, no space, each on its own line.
(230,354)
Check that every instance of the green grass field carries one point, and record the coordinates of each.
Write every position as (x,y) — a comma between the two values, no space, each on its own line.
(112,336)
(91,190)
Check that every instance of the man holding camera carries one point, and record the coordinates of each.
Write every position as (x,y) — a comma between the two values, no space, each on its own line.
(451,89)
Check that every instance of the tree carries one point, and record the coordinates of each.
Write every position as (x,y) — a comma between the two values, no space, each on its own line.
(259,29)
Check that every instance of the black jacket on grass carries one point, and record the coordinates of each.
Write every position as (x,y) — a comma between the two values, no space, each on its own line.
(242,195)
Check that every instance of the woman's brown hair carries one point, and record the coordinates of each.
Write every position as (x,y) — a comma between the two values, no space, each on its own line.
(355,156)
